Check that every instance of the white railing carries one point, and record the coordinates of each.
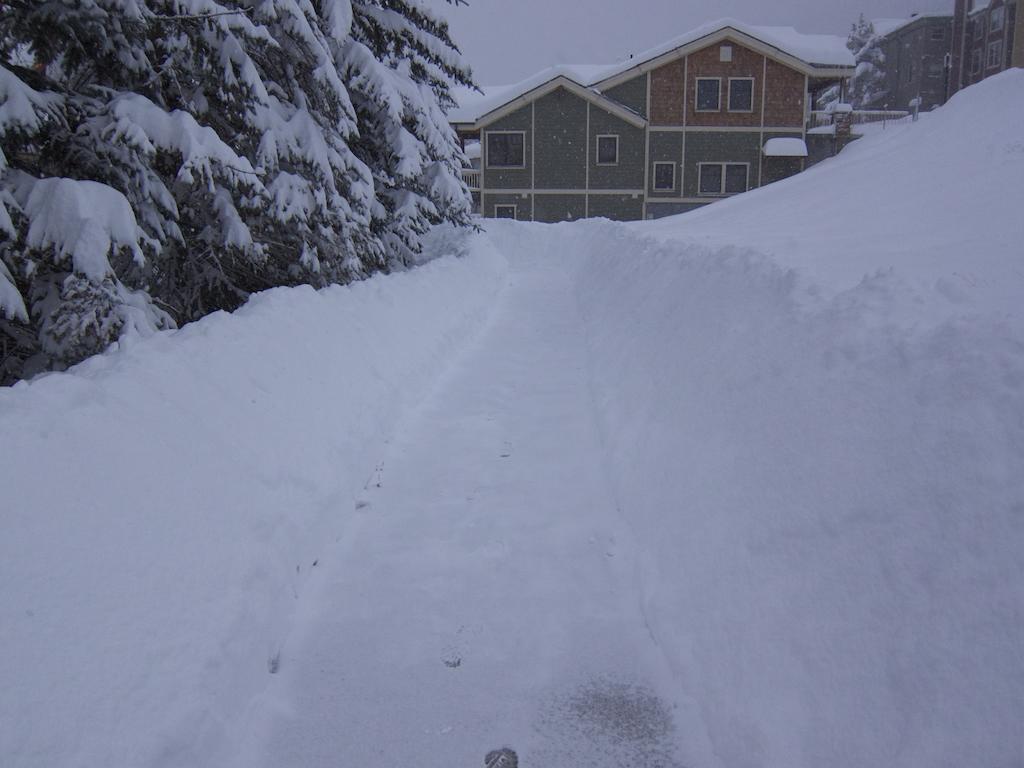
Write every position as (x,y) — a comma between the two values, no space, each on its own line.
(860,116)
(472,178)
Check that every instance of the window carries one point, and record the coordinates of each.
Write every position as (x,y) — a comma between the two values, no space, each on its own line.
(933,68)
(664,176)
(910,71)
(979,28)
(718,179)
(608,149)
(504,212)
(506,149)
(938,33)
(996,19)
(741,94)
(995,54)
(725,53)
(709,94)
(975,61)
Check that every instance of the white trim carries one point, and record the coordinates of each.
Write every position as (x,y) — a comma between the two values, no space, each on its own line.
(728,101)
(764,105)
(597,149)
(722,192)
(487,151)
(725,128)
(533,155)
(737,37)
(654,185)
(693,200)
(513,206)
(586,168)
(686,121)
(647,145)
(696,96)
(588,94)
(581,192)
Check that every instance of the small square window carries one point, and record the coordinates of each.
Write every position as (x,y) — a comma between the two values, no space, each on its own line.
(938,33)
(504,212)
(608,150)
(725,53)
(933,68)
(709,94)
(664,176)
(506,149)
(741,94)
(735,178)
(710,182)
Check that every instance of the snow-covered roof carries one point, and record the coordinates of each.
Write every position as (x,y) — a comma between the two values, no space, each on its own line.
(815,50)
(885,27)
(785,147)
(828,51)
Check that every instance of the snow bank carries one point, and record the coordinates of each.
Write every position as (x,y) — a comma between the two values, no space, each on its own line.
(165,503)
(934,205)
(819,445)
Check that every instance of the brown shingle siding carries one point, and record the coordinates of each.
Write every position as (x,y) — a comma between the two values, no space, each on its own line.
(784,102)
(667,94)
(707,63)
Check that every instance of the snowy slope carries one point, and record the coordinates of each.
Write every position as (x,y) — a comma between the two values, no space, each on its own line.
(163,506)
(740,488)
(934,206)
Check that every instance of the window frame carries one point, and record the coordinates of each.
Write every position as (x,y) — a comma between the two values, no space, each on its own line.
(729,99)
(654,176)
(513,206)
(977,60)
(995,45)
(597,149)
(938,34)
(696,96)
(487,151)
(723,164)
(979,27)
(996,13)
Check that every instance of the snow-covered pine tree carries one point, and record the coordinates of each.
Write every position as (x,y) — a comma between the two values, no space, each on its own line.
(867,86)
(400,64)
(166,158)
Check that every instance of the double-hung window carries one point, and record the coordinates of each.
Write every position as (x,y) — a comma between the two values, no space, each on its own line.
(720,179)
(506,149)
(608,149)
(996,19)
(709,94)
(664,177)
(741,94)
(504,211)
(995,54)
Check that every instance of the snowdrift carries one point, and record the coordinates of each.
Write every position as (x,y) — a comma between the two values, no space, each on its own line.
(165,504)
(820,444)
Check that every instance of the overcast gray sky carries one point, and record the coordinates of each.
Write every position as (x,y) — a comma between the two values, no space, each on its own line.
(508,40)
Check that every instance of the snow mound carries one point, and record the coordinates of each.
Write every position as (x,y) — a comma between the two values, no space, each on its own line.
(934,204)
(203,474)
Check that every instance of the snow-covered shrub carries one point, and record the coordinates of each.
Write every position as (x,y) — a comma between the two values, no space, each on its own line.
(207,149)
(867,86)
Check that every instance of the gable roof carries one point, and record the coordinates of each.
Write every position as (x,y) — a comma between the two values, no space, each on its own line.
(813,55)
(496,103)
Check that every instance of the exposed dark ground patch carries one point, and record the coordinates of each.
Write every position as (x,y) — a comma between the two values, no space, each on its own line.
(605,722)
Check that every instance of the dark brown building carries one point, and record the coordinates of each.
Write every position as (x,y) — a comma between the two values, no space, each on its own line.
(988,37)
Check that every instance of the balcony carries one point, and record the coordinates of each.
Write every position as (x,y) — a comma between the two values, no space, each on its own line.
(471,176)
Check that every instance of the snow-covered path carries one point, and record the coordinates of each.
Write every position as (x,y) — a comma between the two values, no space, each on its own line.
(486,593)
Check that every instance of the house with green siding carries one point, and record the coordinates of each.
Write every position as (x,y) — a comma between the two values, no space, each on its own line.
(690,122)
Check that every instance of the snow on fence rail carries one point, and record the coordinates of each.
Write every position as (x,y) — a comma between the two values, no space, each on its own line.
(860,116)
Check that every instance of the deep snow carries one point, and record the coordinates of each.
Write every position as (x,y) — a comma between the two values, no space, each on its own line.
(740,488)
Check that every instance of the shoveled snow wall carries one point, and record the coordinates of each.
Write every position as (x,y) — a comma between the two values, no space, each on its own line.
(831,509)
(813,403)
(164,505)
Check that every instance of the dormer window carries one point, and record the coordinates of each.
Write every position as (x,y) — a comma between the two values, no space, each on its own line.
(725,53)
